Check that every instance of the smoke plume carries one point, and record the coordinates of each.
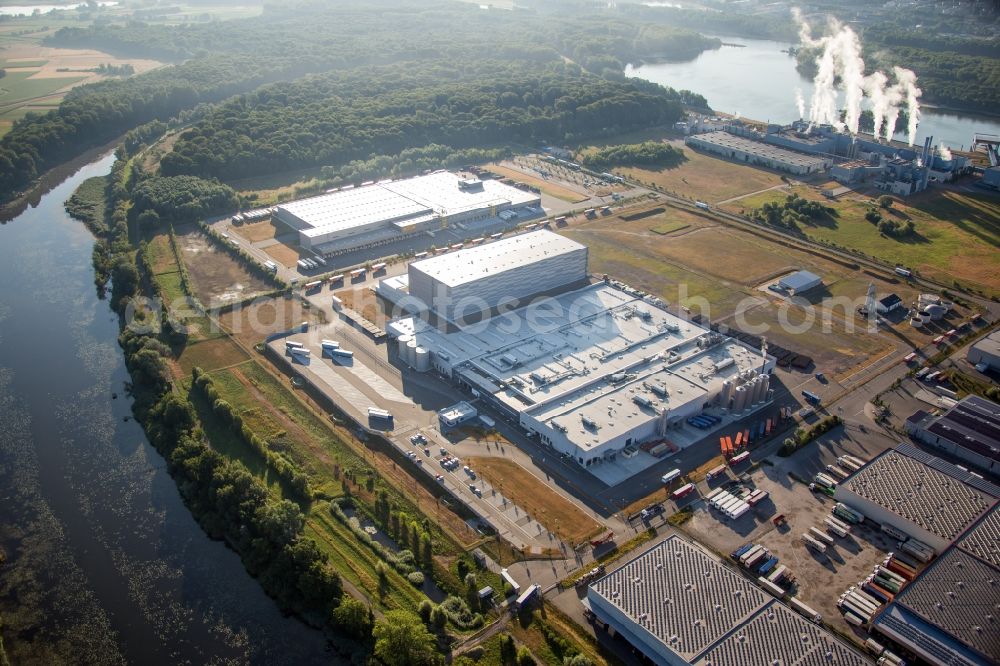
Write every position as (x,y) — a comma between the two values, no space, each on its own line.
(841,60)
(944,152)
(800,103)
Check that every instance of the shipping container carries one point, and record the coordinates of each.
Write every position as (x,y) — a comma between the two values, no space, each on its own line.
(802,608)
(334,279)
(909,357)
(329,344)
(750,553)
(740,509)
(739,458)
(357,272)
(835,528)
(292,343)
(716,471)
(778,574)
(757,497)
(378,267)
(767,566)
(771,587)
(343,353)
(684,490)
(756,559)
(742,549)
(820,535)
(376,413)
(810,542)
(301,351)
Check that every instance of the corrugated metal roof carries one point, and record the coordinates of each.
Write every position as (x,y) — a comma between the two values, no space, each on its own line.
(933,644)
(800,281)
(923,490)
(779,636)
(709,614)
(959,594)
(983,540)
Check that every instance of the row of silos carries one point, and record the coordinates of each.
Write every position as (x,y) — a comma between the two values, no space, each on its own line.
(750,393)
(415,356)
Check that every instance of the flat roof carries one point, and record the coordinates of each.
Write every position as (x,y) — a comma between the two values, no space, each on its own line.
(990,344)
(404,201)
(709,614)
(983,540)
(907,483)
(799,280)
(589,353)
(474,263)
(726,140)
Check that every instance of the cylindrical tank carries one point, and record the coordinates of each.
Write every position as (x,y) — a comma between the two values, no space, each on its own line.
(727,393)
(422,360)
(757,385)
(411,353)
(401,343)
(767,385)
(936,312)
(740,399)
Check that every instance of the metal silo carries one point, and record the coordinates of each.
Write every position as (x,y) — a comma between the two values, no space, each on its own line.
(422,360)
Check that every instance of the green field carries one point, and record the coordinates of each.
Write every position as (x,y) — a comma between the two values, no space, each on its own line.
(957,233)
(17,87)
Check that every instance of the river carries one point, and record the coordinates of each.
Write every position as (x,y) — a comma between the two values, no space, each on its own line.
(758,81)
(105,564)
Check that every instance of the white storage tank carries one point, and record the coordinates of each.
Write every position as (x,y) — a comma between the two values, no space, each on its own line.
(411,353)
(936,312)
(740,399)
(401,343)
(422,359)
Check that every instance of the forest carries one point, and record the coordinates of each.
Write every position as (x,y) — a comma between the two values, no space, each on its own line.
(220,59)
(647,153)
(334,119)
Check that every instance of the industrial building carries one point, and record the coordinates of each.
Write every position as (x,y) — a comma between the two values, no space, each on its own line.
(754,152)
(354,217)
(986,351)
(678,605)
(948,614)
(927,498)
(799,282)
(970,431)
(507,271)
(888,304)
(590,369)
(804,148)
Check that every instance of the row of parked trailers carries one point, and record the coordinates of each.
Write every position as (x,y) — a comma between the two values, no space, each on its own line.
(328,347)
(728,504)
(730,444)
(703,421)
(759,560)
(252,215)
(311,264)
(861,603)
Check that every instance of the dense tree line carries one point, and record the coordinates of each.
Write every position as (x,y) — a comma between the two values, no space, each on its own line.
(647,153)
(334,119)
(224,58)
(180,199)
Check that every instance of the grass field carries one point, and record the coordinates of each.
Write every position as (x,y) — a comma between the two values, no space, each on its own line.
(552,189)
(542,503)
(250,324)
(161,255)
(22,86)
(211,355)
(669,228)
(957,233)
(703,176)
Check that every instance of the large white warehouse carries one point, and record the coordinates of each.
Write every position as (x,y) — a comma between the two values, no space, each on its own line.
(462,285)
(590,371)
(357,216)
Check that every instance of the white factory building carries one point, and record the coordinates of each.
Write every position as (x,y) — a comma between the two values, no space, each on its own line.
(482,278)
(353,217)
(589,370)
(679,605)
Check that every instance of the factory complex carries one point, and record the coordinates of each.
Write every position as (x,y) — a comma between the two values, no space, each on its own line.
(354,217)
(803,149)
(948,613)
(680,605)
(592,370)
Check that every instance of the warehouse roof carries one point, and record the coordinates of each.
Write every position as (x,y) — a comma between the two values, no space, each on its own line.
(974,423)
(800,281)
(890,301)
(983,540)
(710,615)
(413,199)
(990,344)
(778,635)
(475,263)
(682,596)
(959,594)
(924,638)
(727,140)
(938,496)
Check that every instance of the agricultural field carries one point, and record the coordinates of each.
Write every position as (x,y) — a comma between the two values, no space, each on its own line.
(217,278)
(537,498)
(956,239)
(250,324)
